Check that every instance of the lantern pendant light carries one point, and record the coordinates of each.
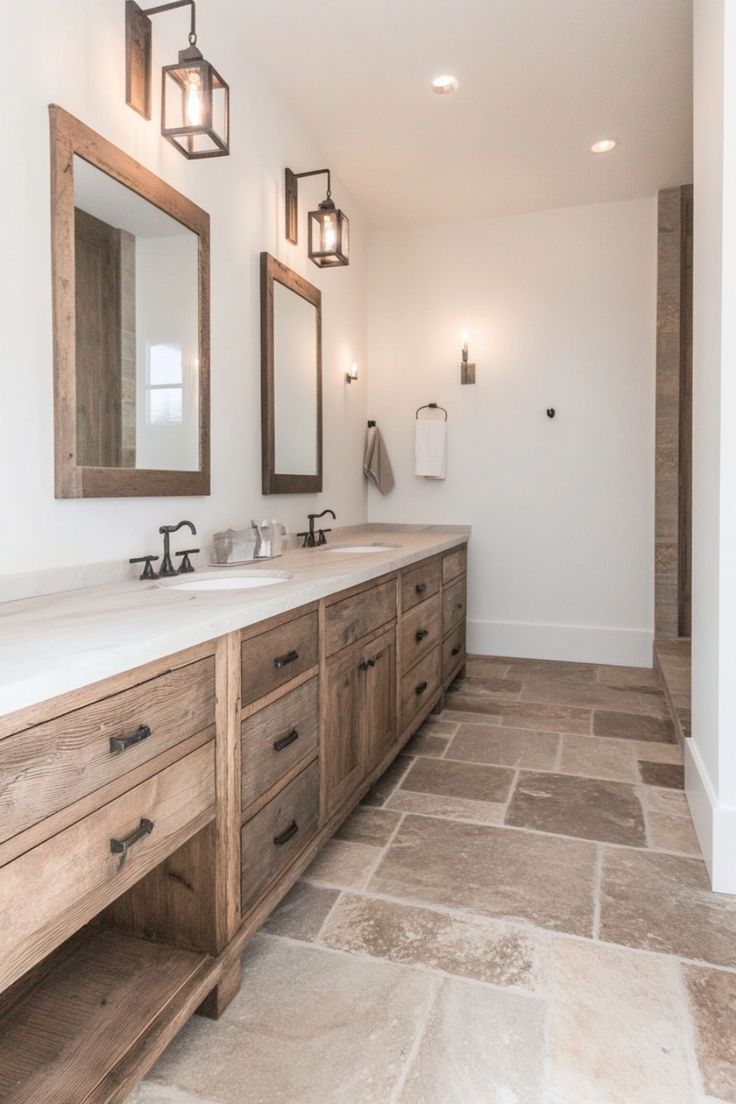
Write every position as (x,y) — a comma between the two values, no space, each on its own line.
(329,229)
(195,100)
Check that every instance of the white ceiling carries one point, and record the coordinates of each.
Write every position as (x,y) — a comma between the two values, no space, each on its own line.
(540,80)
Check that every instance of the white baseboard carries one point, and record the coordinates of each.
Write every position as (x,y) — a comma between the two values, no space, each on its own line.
(715,825)
(575,643)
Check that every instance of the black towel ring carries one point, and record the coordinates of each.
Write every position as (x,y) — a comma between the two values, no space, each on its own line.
(432,406)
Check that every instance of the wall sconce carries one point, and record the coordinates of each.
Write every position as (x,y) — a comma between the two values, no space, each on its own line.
(329,229)
(352,375)
(195,100)
(467,371)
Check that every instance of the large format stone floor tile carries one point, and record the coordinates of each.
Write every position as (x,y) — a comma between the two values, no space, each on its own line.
(587,808)
(550,668)
(664,903)
(481,1046)
(439,805)
(343,864)
(308,1027)
(632,726)
(712,995)
(468,946)
(368,825)
(507,747)
(428,742)
(149,1093)
(593,695)
(596,757)
(617,1030)
(632,678)
(302,912)
(671,776)
(515,714)
(672,833)
(492,871)
(389,780)
(451,779)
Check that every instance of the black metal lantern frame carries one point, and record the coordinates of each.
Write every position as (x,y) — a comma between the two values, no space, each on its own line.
(329,228)
(195,100)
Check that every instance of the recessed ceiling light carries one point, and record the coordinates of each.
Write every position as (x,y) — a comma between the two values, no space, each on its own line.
(444,84)
(604,146)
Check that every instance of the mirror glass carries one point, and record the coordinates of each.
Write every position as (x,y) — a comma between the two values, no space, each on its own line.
(295,382)
(137,329)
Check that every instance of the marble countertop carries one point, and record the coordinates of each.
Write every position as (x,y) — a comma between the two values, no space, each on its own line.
(60,642)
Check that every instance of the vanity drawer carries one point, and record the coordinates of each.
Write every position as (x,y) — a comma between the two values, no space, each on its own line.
(419,583)
(277,738)
(354,617)
(421,630)
(278,833)
(71,877)
(52,765)
(453,604)
(453,650)
(419,686)
(454,563)
(278,655)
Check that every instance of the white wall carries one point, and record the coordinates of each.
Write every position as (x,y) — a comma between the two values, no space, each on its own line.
(73,54)
(561,309)
(711,753)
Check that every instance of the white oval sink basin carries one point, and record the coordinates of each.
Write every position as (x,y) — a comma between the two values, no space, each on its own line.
(251,581)
(362,548)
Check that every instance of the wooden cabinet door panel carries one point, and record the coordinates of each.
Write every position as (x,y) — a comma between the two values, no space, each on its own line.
(379,699)
(341,756)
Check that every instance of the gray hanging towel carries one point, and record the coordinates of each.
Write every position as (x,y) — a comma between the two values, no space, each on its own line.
(376,464)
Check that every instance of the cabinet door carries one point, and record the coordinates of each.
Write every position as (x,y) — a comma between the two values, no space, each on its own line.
(341,758)
(379,699)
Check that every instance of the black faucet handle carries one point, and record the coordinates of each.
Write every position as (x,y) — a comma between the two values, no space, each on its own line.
(148,572)
(322,537)
(306,542)
(186,565)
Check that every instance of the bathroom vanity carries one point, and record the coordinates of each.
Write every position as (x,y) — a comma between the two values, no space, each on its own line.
(153,814)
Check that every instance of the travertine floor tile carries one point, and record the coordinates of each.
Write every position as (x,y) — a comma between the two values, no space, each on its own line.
(302,911)
(558,691)
(664,903)
(426,743)
(149,1093)
(632,726)
(343,864)
(529,715)
(463,717)
(470,947)
(587,808)
(671,776)
(597,757)
(368,825)
(485,665)
(459,808)
(388,781)
(672,833)
(633,678)
(712,995)
(451,779)
(492,871)
(508,747)
(655,753)
(438,726)
(309,1026)
(493,686)
(481,1046)
(545,668)
(617,1034)
(659,800)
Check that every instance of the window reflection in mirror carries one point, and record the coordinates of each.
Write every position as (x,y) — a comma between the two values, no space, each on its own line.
(137,329)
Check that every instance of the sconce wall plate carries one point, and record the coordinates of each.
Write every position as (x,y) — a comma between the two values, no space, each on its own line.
(329,228)
(138,36)
(467,372)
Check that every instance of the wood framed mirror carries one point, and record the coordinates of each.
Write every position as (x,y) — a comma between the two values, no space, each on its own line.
(131,277)
(291,380)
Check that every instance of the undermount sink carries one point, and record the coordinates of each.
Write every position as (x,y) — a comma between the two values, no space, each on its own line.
(250,581)
(362,548)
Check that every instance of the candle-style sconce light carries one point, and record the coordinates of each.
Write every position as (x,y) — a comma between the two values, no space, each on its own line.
(467,370)
(329,228)
(352,375)
(195,100)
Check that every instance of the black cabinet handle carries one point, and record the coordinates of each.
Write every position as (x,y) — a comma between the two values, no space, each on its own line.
(420,635)
(284,741)
(366,663)
(458,605)
(281,661)
(421,688)
(420,588)
(121,847)
(456,650)
(287,834)
(122,743)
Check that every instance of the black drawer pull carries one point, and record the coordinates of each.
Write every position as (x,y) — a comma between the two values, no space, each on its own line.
(121,847)
(366,663)
(281,661)
(458,605)
(421,688)
(122,743)
(420,635)
(456,650)
(284,741)
(420,588)
(287,834)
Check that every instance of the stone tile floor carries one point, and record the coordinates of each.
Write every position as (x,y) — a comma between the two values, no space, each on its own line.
(516,914)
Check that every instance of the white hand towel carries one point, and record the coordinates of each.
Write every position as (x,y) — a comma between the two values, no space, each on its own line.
(430,448)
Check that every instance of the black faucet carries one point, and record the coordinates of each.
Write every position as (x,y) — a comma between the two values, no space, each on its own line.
(167,567)
(310,540)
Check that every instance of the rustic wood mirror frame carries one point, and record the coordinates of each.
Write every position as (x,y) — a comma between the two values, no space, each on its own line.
(273,271)
(69,136)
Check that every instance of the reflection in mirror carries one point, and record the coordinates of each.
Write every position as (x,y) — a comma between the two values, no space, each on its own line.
(137,329)
(291,373)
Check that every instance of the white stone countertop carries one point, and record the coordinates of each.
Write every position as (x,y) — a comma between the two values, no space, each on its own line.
(60,642)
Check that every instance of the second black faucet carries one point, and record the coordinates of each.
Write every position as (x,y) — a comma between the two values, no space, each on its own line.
(310,538)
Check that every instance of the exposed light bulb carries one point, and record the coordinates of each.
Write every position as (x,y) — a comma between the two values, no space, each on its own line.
(444,84)
(193,106)
(604,146)
(329,234)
